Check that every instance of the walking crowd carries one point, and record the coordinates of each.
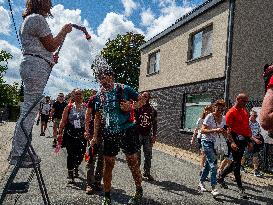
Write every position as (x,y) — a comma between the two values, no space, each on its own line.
(117,117)
(232,137)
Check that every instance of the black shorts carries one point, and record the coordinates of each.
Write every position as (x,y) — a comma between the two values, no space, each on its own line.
(199,143)
(126,140)
(44,118)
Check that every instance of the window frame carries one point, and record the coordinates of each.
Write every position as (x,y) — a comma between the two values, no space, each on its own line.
(155,71)
(184,108)
(208,28)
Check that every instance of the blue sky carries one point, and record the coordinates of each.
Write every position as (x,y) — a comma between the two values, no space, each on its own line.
(104,19)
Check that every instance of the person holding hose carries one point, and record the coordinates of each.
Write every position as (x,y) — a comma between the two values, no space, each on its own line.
(38,44)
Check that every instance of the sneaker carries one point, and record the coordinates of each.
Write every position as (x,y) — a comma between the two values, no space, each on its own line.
(148,177)
(257,173)
(214,192)
(71,177)
(202,187)
(89,190)
(76,173)
(135,200)
(54,143)
(97,186)
(27,161)
(243,194)
(222,183)
(106,201)
(243,169)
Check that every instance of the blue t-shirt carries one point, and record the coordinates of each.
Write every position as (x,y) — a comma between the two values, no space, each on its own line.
(108,103)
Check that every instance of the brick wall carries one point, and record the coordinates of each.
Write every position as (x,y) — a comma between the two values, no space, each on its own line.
(169,108)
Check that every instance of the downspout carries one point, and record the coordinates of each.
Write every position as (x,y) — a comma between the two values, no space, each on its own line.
(229,49)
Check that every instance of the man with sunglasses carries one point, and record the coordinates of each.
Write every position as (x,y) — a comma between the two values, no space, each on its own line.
(240,136)
(56,115)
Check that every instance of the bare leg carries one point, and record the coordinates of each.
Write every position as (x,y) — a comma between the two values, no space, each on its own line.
(109,163)
(133,164)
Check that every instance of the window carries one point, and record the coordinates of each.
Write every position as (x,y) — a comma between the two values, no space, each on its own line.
(201,43)
(193,107)
(153,66)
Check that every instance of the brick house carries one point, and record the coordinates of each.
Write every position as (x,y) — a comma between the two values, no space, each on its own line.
(215,51)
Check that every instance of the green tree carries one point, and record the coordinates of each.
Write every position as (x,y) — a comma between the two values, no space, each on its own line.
(123,55)
(9,94)
(4,56)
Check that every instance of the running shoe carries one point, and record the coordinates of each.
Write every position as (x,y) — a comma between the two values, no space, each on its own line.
(54,143)
(148,176)
(257,173)
(243,194)
(89,190)
(97,186)
(214,192)
(135,200)
(222,183)
(243,169)
(71,177)
(106,201)
(202,187)
(76,172)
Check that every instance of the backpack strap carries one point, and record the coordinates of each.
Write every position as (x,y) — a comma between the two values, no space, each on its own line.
(119,92)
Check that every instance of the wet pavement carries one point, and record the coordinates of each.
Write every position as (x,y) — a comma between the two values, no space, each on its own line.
(176,173)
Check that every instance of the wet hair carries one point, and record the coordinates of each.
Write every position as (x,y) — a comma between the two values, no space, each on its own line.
(100,67)
(208,109)
(47,97)
(37,7)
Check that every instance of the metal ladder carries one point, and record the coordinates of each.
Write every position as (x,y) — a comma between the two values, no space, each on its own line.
(37,169)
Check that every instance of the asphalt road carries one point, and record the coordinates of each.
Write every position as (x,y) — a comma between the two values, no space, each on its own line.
(176,182)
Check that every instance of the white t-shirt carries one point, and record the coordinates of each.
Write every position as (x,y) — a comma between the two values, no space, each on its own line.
(199,126)
(45,108)
(212,124)
(34,27)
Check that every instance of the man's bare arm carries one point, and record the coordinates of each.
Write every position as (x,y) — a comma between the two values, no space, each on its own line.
(87,122)
(97,122)
(266,114)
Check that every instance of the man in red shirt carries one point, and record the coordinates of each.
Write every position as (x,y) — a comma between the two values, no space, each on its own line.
(237,120)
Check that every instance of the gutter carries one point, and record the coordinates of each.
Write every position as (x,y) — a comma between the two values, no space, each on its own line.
(229,49)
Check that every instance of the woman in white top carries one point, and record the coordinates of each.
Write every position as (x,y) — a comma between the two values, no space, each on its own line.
(197,133)
(213,126)
(37,45)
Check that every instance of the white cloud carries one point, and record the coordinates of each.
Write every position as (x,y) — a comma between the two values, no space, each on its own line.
(147,17)
(114,24)
(165,3)
(169,13)
(129,6)
(12,74)
(76,55)
(5,21)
